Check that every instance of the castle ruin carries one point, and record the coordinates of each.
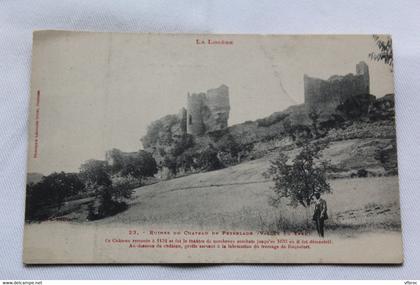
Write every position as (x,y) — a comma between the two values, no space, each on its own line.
(324,96)
(207,112)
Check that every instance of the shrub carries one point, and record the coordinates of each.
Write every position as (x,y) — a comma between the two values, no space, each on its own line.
(209,160)
(271,120)
(181,144)
(356,106)
(50,193)
(170,163)
(95,173)
(109,194)
(362,173)
(122,186)
(142,164)
(138,164)
(107,204)
(185,161)
(229,145)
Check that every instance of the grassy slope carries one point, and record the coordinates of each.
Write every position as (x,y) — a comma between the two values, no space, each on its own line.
(242,202)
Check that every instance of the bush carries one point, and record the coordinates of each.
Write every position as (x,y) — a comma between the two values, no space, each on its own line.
(362,173)
(122,186)
(142,164)
(209,160)
(271,120)
(136,164)
(229,145)
(388,158)
(95,173)
(181,144)
(356,106)
(334,121)
(107,204)
(109,193)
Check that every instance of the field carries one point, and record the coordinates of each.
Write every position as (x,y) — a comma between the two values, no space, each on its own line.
(364,216)
(238,198)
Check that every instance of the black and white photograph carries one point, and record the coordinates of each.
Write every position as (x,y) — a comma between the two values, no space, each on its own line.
(257,138)
(192,141)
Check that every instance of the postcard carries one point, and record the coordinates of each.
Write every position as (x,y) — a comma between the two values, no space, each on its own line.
(211,148)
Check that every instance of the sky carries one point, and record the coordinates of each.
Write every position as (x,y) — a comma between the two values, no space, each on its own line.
(100,90)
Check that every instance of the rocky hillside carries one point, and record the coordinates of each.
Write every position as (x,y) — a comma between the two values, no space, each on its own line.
(360,117)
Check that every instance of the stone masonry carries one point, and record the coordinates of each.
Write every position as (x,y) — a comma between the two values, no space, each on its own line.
(207,112)
(324,96)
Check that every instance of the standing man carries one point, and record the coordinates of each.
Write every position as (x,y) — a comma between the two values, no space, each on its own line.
(320,213)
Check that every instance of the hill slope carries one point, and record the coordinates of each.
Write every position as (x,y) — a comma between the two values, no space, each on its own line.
(238,198)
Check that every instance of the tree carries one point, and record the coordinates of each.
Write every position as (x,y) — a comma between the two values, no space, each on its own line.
(95,173)
(302,133)
(51,191)
(63,185)
(300,180)
(140,165)
(229,145)
(115,158)
(385,50)
(152,136)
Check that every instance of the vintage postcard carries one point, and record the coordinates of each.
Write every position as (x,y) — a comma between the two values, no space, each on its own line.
(202,148)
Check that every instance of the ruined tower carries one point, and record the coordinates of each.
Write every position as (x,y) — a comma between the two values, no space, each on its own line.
(325,95)
(195,104)
(208,111)
(362,69)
